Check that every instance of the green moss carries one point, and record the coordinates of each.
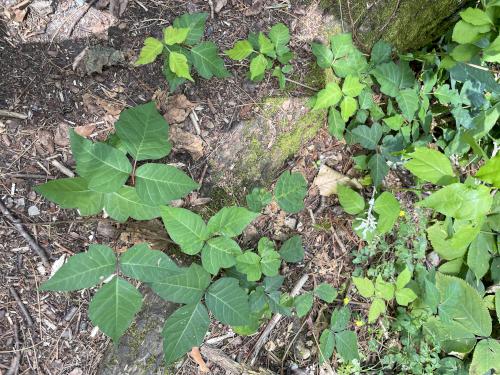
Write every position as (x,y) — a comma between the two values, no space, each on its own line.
(220,198)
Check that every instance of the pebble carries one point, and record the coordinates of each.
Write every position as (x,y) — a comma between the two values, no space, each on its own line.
(33,211)
(291,222)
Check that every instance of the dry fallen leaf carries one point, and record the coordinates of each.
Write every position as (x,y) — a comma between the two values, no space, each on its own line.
(219,4)
(61,135)
(178,109)
(94,103)
(196,355)
(191,143)
(328,179)
(255,8)
(85,130)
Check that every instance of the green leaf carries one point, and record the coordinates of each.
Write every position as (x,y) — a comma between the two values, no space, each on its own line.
(462,303)
(486,357)
(326,292)
(228,302)
(185,228)
(184,329)
(178,64)
(195,22)
(249,264)
(383,288)
(451,247)
(114,306)
(151,50)
(394,122)
(144,264)
(280,36)
(207,62)
(341,44)
(340,319)
(475,17)
(393,78)
(266,47)
(378,169)
(240,51)
(451,336)
(290,191)
(348,107)
(408,103)
(351,86)
(258,66)
(364,286)
(72,193)
(324,56)
(365,99)
(351,201)
(368,137)
(158,184)
(460,201)
(464,52)
(346,343)
(292,251)
(403,278)
(173,35)
(258,199)
(478,258)
(497,303)
(125,203)
(219,252)
(83,270)
(230,221)
(186,285)
(326,345)
(377,308)
(431,165)
(490,172)
(144,132)
(303,304)
(105,168)
(336,124)
(329,96)
(387,207)
(270,262)
(464,32)
(445,95)
(404,296)
(381,53)
(492,52)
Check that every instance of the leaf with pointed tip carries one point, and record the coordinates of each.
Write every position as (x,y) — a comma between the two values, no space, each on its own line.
(266,47)
(114,306)
(258,66)
(207,62)
(173,35)
(184,329)
(144,132)
(348,107)
(144,264)
(393,78)
(431,165)
(351,86)
(280,36)
(230,221)
(83,270)
(292,250)
(387,207)
(408,103)
(351,201)
(195,22)
(158,184)
(368,136)
(228,302)
(150,51)
(324,55)
(178,64)
(378,169)
(329,96)
(219,252)
(346,343)
(325,292)
(336,124)
(105,168)
(240,51)
(290,191)
(326,345)
(270,262)
(364,286)
(125,203)
(303,304)
(490,172)
(486,357)
(248,263)
(381,53)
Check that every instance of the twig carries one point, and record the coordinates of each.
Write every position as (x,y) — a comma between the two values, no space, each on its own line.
(5,113)
(274,321)
(301,84)
(230,366)
(14,364)
(211,5)
(19,227)
(85,10)
(196,355)
(20,303)
(62,168)
(30,175)
(194,120)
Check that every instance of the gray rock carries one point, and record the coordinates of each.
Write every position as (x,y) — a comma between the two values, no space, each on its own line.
(33,211)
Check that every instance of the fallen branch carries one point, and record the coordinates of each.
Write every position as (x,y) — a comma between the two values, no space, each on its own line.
(5,113)
(19,227)
(21,306)
(14,363)
(274,321)
(229,365)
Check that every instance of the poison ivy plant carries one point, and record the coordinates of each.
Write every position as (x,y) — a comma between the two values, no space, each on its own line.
(182,49)
(265,53)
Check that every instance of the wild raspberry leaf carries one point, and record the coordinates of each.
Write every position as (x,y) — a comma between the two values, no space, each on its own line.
(486,357)
(462,303)
(368,136)
(230,221)
(454,246)
(186,285)
(303,304)
(490,172)
(72,193)
(324,55)
(329,96)
(280,36)
(452,336)
(378,169)
(185,228)
(325,292)
(292,250)
(460,201)
(266,47)
(114,306)
(346,343)
(219,252)
(144,264)
(126,203)
(258,66)
(105,168)
(144,132)
(351,86)
(228,302)
(158,184)
(207,62)
(377,308)
(83,270)
(431,165)
(348,107)
(240,51)
(387,207)
(351,201)
(178,64)
(364,286)
(392,78)
(248,263)
(151,50)
(381,53)
(408,102)
(184,329)
(336,125)
(173,35)
(290,191)
(340,319)
(258,199)
(195,22)
(326,345)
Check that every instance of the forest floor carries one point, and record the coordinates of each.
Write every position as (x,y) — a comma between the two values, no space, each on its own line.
(49,333)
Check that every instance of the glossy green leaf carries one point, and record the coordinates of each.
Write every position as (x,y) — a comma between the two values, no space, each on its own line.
(266,47)
(431,165)
(326,292)
(451,247)
(195,22)
(126,203)
(478,258)
(324,56)
(348,107)
(329,96)
(178,64)
(490,172)
(292,250)
(364,286)
(387,207)
(240,51)
(207,62)
(384,289)
(403,278)
(219,252)
(230,221)
(464,32)
(173,35)
(475,16)
(290,191)
(492,52)
(392,78)
(150,51)
(381,53)
(405,296)
(394,122)
(270,261)
(258,66)
(351,201)
(228,302)
(280,36)
(378,169)
(351,86)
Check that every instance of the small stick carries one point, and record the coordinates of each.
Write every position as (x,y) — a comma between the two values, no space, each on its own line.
(211,4)
(274,321)
(64,170)
(19,227)
(194,120)
(196,355)
(14,364)
(5,113)
(30,175)
(20,303)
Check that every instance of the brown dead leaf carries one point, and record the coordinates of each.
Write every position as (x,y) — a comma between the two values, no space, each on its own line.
(19,15)
(178,109)
(61,135)
(255,8)
(94,104)
(46,141)
(219,4)
(196,355)
(189,142)
(328,179)
(85,130)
